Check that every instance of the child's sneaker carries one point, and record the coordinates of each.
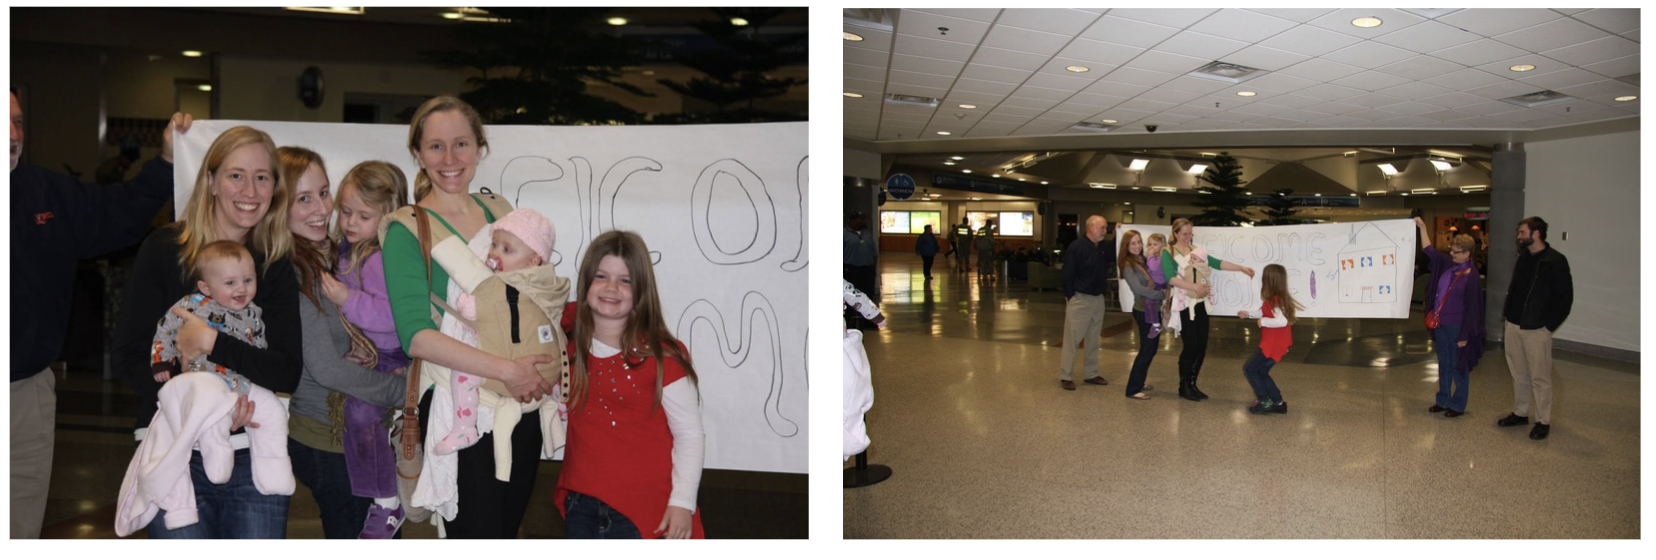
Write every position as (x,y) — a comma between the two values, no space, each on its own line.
(382,523)
(1261,407)
(1155,330)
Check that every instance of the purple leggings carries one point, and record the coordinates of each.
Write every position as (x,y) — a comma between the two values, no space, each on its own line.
(369,458)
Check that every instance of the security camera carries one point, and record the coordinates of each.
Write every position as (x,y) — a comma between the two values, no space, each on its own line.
(1149,128)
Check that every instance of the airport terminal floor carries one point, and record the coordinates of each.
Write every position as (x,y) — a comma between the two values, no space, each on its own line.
(984,444)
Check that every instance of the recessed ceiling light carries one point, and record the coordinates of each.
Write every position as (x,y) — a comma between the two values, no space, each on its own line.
(738,22)
(942,133)
(967,106)
(616,21)
(1251,194)
(995,175)
(853,95)
(849,36)
(977,198)
(1043,182)
(957,158)
(453,15)
(204,87)
(967,170)
(1021,179)
(1522,67)
(1318,194)
(191,54)
(1366,22)
(1077,68)
(1109,121)
(1627,98)
(1246,93)
(648,72)
(948,163)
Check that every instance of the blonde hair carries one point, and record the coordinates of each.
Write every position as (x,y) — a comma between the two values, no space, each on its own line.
(646,325)
(216,251)
(1126,258)
(1181,223)
(1274,290)
(270,236)
(416,133)
(309,259)
(1463,242)
(381,186)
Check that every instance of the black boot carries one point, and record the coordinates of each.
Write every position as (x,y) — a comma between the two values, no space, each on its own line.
(1187,386)
(1194,369)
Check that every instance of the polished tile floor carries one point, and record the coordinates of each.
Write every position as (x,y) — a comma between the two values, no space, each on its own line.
(94,445)
(985,444)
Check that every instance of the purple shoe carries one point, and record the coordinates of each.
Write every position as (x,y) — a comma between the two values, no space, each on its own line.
(1155,330)
(382,523)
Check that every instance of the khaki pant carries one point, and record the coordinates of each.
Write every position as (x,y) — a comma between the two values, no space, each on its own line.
(1083,320)
(1529,356)
(33,416)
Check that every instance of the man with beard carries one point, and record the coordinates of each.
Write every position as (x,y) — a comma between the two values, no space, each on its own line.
(1537,303)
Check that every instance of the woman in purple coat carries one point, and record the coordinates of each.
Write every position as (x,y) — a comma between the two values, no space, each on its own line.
(1454,315)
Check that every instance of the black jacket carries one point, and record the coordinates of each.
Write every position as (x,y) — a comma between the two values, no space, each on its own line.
(1541,291)
(57,220)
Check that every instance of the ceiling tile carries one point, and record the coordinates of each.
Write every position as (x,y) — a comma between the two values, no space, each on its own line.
(1486,108)
(869,88)
(1060,66)
(925,24)
(1122,115)
(1120,89)
(1605,91)
(1598,50)
(1051,95)
(1024,103)
(1265,58)
(1391,21)
(932,48)
(974,14)
(901,81)
(1008,59)
(1329,92)
(982,100)
(1542,65)
(1554,34)
(1368,55)
(1427,37)
(1335,108)
(1070,83)
(1453,100)
(1005,111)
(1614,20)
(1242,25)
(1171,17)
(1371,100)
(1310,41)
(981,86)
(1302,115)
(873,39)
(1062,22)
(1616,68)
(925,65)
(1482,51)
(1490,22)
(1291,101)
(862,57)
(1145,105)
(1503,90)
(1414,90)
(1281,81)
(1300,15)
(858,72)
(995,74)
(1025,40)
(1128,32)
(1567,77)
(1420,67)
(1138,77)
(1370,80)
(1158,61)
(1258,109)
(1317,69)
(1165,95)
(1200,45)
(1099,52)
(1195,85)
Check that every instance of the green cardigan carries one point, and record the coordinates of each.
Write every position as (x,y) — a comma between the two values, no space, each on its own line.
(405,274)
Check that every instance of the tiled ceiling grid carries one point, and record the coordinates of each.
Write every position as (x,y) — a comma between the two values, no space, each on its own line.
(1412,72)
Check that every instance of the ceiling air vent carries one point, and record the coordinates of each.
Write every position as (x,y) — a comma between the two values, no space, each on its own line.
(914,100)
(1538,99)
(1091,126)
(1226,72)
(872,18)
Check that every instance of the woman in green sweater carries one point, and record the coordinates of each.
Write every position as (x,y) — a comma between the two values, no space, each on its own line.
(1196,328)
(446,138)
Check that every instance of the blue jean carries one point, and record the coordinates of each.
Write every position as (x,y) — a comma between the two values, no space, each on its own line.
(1146,352)
(1452,378)
(586,517)
(329,481)
(233,510)
(1258,372)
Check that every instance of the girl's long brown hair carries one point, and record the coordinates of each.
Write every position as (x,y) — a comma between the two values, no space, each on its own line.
(1126,258)
(1274,289)
(381,186)
(310,259)
(646,332)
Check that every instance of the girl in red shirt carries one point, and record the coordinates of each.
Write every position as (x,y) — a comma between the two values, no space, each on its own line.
(635,442)
(1275,314)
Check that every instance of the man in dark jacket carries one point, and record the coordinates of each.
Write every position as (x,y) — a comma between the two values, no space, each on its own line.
(1537,303)
(1084,276)
(57,220)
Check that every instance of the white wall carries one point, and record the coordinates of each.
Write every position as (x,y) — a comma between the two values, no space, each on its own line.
(1589,188)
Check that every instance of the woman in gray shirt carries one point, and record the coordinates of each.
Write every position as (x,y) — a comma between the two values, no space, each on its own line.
(1137,275)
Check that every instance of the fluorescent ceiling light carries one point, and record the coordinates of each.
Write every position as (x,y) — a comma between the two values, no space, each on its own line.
(616,21)
(995,175)
(1474,188)
(1165,189)
(942,133)
(1106,186)
(1388,169)
(191,54)
(948,163)
(1043,182)
(1423,191)
(453,15)
(1627,98)
(348,11)
(1246,93)
(853,95)
(967,106)
(957,158)
(738,22)
(1441,165)
(849,36)
(977,198)
(1138,164)
(204,87)
(967,170)
(1198,169)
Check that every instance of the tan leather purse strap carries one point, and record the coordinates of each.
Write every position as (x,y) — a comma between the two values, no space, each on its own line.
(411,401)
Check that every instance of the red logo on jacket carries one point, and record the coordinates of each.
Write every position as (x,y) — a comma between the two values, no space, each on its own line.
(40,219)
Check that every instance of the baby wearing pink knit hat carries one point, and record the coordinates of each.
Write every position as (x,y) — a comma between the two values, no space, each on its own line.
(522,239)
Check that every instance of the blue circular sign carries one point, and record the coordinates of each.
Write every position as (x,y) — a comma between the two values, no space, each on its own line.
(901,186)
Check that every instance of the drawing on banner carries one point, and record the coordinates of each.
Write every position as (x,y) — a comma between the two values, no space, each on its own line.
(747,191)
(1368,266)
(736,350)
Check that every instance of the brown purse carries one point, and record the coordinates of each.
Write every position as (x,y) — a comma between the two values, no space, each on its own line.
(411,401)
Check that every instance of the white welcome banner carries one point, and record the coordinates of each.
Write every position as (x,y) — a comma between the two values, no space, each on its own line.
(722,207)
(1355,269)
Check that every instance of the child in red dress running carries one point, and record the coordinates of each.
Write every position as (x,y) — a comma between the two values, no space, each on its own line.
(1275,314)
(635,442)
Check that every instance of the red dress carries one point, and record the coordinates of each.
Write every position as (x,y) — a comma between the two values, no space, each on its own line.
(617,450)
